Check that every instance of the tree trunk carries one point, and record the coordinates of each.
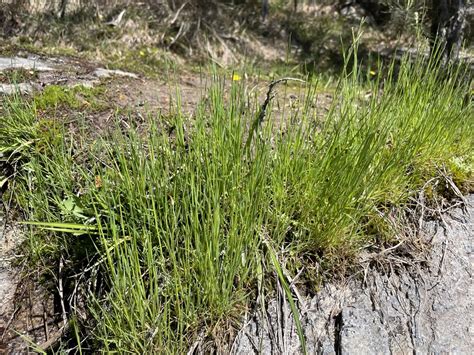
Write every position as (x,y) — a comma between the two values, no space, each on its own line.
(448,20)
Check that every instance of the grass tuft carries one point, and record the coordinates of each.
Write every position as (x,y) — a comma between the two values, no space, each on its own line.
(173,218)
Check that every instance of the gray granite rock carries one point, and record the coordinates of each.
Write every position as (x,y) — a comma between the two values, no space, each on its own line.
(106,73)
(20,88)
(24,63)
(419,309)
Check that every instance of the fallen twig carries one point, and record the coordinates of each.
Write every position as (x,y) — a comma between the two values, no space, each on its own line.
(61,293)
(178,35)
(116,21)
(197,343)
(9,323)
(453,186)
(175,17)
(54,337)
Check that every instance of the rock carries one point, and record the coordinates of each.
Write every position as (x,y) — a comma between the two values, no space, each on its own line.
(89,84)
(9,240)
(107,73)
(54,71)
(21,88)
(23,63)
(417,309)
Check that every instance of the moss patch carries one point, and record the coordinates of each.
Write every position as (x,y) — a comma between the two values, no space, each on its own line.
(143,60)
(462,170)
(55,96)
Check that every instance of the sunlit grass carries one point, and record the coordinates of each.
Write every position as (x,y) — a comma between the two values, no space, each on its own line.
(184,216)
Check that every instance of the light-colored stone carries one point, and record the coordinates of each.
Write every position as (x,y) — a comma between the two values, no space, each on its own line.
(107,73)
(10,239)
(419,309)
(24,63)
(21,88)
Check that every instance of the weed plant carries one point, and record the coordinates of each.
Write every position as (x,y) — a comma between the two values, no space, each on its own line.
(186,222)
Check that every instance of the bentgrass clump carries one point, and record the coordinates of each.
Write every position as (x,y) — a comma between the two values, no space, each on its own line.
(183,221)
